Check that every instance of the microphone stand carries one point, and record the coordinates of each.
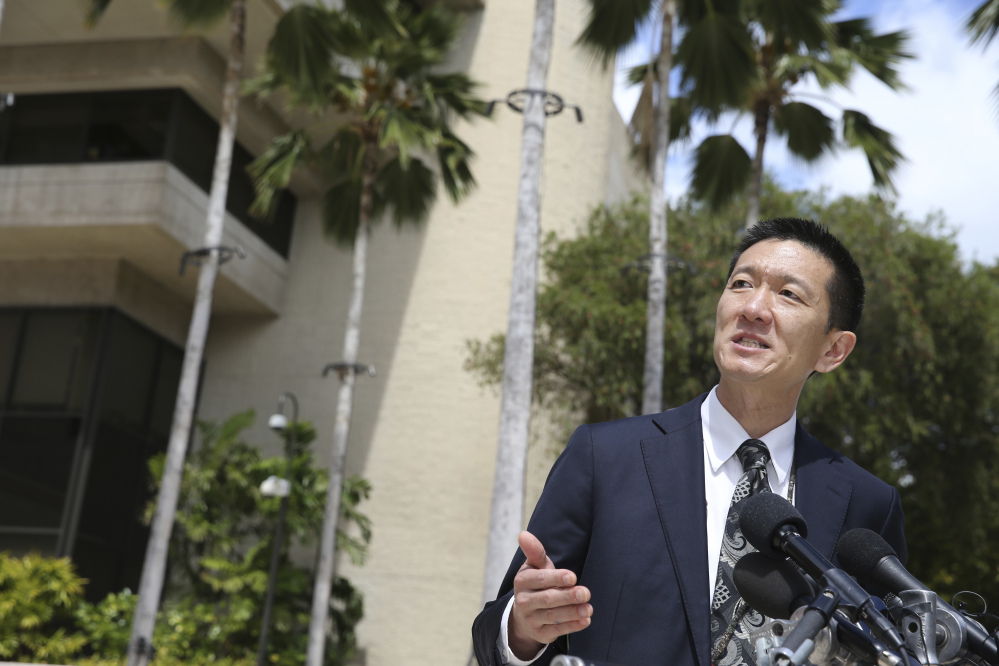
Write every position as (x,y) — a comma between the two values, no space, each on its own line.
(799,644)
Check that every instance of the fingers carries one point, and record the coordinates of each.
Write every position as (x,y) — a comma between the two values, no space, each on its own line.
(529,578)
(547,601)
(533,550)
(546,614)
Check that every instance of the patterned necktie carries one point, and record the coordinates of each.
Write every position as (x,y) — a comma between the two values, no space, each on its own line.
(730,617)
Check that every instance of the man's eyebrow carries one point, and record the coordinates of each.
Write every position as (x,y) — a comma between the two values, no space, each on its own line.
(783,278)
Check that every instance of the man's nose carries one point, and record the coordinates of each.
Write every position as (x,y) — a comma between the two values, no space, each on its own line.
(758,306)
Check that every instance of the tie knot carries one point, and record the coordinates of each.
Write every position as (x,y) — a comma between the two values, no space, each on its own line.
(753,454)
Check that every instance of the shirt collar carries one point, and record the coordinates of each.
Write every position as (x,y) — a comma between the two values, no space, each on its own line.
(723,435)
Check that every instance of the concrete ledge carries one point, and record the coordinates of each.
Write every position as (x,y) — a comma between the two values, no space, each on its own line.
(146,213)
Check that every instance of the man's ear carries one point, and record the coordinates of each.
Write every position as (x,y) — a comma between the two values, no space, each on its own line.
(843,343)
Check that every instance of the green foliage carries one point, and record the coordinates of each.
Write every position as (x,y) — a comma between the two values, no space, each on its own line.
(222,541)
(917,403)
(220,560)
(37,595)
(396,110)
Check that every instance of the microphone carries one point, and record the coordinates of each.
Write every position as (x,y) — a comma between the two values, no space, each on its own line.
(866,555)
(776,589)
(777,529)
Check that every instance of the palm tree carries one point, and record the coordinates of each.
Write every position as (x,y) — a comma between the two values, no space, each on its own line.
(199,13)
(507,509)
(188,13)
(712,34)
(793,43)
(397,112)
(982,25)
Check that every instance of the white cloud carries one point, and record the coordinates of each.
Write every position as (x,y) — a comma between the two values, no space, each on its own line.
(946,126)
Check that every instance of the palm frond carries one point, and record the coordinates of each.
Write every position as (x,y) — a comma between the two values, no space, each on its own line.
(454,93)
(431,34)
(405,191)
(719,65)
(794,22)
(340,159)
(198,13)
(639,73)
(377,15)
(809,132)
(878,145)
(403,132)
(342,211)
(690,12)
(642,126)
(878,54)
(983,24)
(272,171)
(299,53)
(834,69)
(611,25)
(721,170)
(453,157)
(94,11)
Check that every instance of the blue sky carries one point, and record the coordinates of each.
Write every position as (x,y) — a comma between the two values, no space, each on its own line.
(947,124)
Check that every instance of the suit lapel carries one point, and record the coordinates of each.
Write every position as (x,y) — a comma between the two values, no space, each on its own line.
(674,463)
(822,494)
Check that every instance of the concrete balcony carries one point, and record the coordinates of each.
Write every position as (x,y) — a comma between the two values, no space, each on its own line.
(144,215)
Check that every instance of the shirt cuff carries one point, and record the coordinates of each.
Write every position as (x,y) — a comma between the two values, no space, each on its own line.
(503,641)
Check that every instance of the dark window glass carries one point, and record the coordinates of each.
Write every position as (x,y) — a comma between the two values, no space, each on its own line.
(36,455)
(165,397)
(53,355)
(194,143)
(129,126)
(129,373)
(57,357)
(110,529)
(48,129)
(20,544)
(10,327)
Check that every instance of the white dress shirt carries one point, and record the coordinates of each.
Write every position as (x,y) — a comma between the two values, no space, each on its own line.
(722,436)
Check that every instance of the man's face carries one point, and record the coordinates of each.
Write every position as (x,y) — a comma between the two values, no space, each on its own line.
(770,325)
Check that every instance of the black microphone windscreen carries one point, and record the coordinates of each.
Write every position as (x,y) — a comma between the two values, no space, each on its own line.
(772,587)
(761,515)
(860,550)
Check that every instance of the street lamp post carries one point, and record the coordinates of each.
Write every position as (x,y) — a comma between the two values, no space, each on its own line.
(274,486)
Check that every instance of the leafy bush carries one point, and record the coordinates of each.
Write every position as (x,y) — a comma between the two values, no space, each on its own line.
(220,560)
(37,596)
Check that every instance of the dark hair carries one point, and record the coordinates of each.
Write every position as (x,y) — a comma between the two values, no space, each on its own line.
(845,289)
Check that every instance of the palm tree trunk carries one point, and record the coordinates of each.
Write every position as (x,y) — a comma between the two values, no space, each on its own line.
(762,119)
(507,512)
(655,314)
(341,431)
(153,569)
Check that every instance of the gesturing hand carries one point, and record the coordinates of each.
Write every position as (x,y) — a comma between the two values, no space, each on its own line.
(547,602)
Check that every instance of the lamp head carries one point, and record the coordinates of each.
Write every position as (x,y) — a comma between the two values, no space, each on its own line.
(278,423)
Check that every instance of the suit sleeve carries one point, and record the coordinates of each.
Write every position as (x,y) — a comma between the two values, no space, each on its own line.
(562,521)
(893,529)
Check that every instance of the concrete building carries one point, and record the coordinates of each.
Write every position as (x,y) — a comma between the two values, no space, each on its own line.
(102,189)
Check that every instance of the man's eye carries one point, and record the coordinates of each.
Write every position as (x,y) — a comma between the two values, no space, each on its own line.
(739,284)
(789,294)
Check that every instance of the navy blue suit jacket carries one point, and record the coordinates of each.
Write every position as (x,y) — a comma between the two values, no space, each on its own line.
(624,509)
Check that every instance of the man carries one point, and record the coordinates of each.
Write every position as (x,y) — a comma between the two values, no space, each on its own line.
(625,557)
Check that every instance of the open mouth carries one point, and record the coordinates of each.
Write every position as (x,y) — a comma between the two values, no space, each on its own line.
(750,342)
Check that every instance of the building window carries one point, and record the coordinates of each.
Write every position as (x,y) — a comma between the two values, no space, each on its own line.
(72,128)
(86,398)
